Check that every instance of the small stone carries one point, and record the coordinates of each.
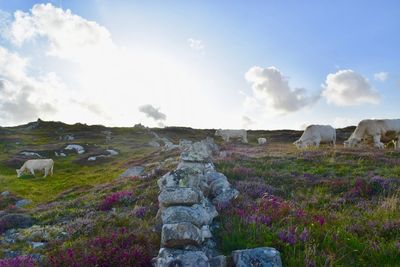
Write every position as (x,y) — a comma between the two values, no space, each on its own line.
(5,194)
(218,261)
(37,244)
(257,257)
(180,258)
(23,202)
(133,172)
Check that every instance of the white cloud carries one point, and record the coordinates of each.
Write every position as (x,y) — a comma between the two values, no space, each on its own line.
(69,36)
(196,44)
(381,76)
(23,97)
(271,87)
(348,88)
(152,112)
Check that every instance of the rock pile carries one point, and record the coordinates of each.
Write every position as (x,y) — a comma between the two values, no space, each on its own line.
(187,200)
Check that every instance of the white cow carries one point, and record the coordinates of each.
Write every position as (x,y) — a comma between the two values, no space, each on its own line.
(227,134)
(37,164)
(262,140)
(315,134)
(375,129)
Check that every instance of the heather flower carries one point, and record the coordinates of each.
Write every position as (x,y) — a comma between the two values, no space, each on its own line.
(319,219)
(20,261)
(140,212)
(114,198)
(304,236)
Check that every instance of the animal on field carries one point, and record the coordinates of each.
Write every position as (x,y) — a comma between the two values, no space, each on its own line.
(262,141)
(313,135)
(37,164)
(377,129)
(228,134)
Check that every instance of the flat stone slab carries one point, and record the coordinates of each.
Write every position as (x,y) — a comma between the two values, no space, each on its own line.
(180,258)
(196,214)
(257,257)
(179,235)
(179,196)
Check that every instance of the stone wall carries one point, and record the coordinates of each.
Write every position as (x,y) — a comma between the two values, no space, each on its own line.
(187,203)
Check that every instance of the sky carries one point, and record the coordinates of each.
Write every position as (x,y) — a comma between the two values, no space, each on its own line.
(203,64)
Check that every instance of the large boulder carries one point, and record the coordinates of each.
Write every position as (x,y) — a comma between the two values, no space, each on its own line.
(180,258)
(179,235)
(179,196)
(257,257)
(15,220)
(196,214)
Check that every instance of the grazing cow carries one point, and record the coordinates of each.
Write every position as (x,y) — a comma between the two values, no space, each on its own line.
(37,164)
(262,141)
(315,134)
(375,129)
(227,134)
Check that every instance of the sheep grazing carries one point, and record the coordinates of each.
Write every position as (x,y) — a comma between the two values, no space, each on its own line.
(262,141)
(37,164)
(375,129)
(313,135)
(227,134)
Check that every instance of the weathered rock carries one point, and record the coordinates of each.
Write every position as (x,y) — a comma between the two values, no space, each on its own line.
(133,172)
(78,148)
(180,258)
(179,196)
(257,257)
(179,235)
(225,196)
(196,214)
(200,167)
(15,220)
(5,194)
(199,152)
(23,202)
(218,261)
(183,178)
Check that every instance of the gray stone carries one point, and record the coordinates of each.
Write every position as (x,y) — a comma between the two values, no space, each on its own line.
(218,261)
(5,194)
(37,244)
(133,172)
(225,196)
(154,144)
(199,151)
(183,178)
(257,257)
(200,167)
(179,196)
(15,220)
(180,258)
(179,235)
(23,202)
(196,214)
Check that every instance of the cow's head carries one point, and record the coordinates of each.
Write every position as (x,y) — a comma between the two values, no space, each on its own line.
(352,142)
(19,172)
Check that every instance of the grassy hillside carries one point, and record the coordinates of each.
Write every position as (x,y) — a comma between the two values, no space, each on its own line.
(319,207)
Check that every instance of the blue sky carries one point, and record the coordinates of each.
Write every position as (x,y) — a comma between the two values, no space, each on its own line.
(221,64)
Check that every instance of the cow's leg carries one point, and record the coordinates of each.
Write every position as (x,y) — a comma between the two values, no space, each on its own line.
(46,171)
(377,142)
(51,170)
(32,172)
(317,142)
(245,139)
